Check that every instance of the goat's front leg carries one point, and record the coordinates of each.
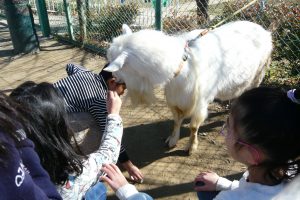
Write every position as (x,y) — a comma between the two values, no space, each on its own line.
(178,118)
(195,123)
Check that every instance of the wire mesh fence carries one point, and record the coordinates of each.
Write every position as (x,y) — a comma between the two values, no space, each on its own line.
(95,22)
(2,12)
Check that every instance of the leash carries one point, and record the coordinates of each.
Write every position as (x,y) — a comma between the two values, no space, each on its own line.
(233,14)
(204,32)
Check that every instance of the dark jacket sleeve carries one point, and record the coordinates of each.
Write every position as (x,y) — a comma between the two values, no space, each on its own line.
(38,174)
(17,181)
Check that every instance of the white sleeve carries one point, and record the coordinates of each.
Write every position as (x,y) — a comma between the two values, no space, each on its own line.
(225,184)
(126,191)
(109,148)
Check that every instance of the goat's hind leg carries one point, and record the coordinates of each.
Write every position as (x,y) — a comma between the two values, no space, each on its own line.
(196,121)
(178,119)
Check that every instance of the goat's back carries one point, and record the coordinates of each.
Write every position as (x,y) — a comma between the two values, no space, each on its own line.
(231,57)
(224,63)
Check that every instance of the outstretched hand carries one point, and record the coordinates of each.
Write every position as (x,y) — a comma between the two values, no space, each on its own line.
(209,180)
(134,173)
(113,102)
(115,179)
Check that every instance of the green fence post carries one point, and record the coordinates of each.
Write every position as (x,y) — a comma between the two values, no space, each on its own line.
(20,26)
(87,8)
(68,17)
(43,16)
(158,24)
(88,16)
(82,20)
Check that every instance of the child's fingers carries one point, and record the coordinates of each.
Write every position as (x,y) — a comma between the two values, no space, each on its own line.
(115,168)
(108,170)
(114,93)
(106,179)
(199,177)
(204,175)
(109,94)
(109,166)
(110,182)
(202,188)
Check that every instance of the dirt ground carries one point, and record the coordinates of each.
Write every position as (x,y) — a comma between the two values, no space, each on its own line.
(169,173)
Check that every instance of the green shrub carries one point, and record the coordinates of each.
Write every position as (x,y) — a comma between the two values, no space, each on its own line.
(282,19)
(108,23)
(180,24)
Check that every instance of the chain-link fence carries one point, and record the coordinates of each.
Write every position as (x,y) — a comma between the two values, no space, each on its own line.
(99,21)
(2,12)
(94,23)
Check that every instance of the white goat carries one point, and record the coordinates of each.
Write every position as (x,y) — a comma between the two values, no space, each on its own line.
(221,64)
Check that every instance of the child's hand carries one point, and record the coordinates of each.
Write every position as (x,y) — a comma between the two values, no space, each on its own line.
(115,179)
(134,173)
(209,180)
(113,102)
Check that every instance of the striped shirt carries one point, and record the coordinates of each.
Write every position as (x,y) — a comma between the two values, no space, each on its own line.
(84,91)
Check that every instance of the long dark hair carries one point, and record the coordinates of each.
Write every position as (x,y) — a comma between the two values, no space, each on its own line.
(51,134)
(106,75)
(10,121)
(271,121)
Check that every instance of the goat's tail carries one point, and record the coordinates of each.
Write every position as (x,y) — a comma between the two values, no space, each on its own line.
(261,71)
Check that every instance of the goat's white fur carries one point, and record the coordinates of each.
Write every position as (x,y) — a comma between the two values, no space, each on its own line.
(222,64)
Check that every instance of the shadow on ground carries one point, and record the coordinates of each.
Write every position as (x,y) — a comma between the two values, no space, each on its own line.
(169,173)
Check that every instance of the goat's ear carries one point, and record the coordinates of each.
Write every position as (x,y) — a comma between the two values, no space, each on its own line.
(118,63)
(126,30)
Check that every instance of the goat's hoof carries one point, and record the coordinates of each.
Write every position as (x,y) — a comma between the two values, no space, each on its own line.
(191,149)
(188,151)
(171,141)
(167,144)
(167,140)
(168,147)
